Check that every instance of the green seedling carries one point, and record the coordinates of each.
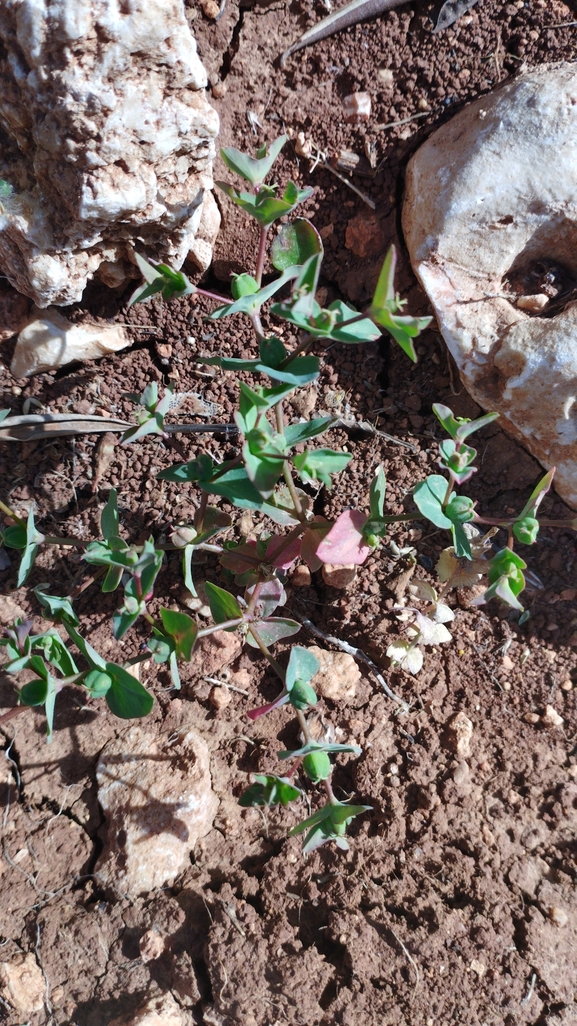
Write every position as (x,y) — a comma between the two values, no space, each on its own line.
(49,658)
(278,469)
(161,280)
(437,501)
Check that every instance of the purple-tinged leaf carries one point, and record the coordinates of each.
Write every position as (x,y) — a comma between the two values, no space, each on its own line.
(344,544)
(273,629)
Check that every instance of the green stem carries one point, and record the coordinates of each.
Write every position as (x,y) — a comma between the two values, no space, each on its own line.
(268,655)
(137,659)
(74,678)
(304,726)
(450,486)
(292,490)
(200,513)
(254,598)
(400,519)
(300,349)
(261,254)
(13,712)
(77,591)
(330,793)
(204,633)
(230,464)
(257,325)
(279,417)
(212,295)
(13,516)
(354,320)
(492,522)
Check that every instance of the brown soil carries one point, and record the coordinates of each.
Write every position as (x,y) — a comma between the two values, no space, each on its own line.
(455,903)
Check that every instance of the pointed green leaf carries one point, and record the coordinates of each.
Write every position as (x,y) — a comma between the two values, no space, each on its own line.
(223,605)
(320,465)
(126,697)
(112,579)
(34,693)
(182,629)
(429,496)
(377,494)
(90,654)
(297,433)
(295,244)
(537,495)
(200,469)
(302,666)
(269,790)
(251,169)
(58,608)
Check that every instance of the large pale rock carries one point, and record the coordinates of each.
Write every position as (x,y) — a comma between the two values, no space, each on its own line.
(51,341)
(22,984)
(158,801)
(157,1011)
(489,197)
(107,142)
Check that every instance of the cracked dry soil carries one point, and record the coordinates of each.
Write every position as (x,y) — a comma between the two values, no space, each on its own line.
(456,902)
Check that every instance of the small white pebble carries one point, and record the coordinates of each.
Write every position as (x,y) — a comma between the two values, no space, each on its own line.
(357,107)
(558,916)
(386,77)
(303,145)
(534,304)
(551,717)
(220,697)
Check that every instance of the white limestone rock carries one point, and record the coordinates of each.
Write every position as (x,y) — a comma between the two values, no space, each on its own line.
(51,341)
(158,801)
(108,142)
(489,196)
(161,1010)
(22,984)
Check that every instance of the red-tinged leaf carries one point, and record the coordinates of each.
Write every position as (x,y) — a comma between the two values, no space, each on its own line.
(253,714)
(311,541)
(273,629)
(286,557)
(344,544)
(271,594)
(244,557)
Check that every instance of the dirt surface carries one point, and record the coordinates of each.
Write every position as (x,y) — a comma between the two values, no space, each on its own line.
(456,901)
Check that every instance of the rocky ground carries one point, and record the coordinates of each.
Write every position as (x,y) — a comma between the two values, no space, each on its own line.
(456,901)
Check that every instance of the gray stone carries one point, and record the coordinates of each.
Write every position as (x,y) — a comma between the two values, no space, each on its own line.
(490,197)
(107,143)
(50,341)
